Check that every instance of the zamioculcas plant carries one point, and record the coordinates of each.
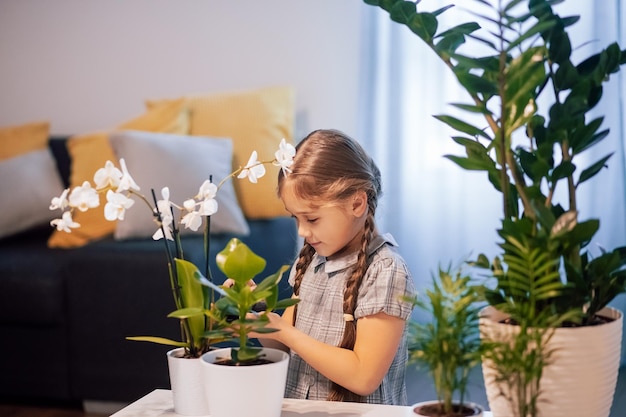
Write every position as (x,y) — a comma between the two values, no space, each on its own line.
(546,276)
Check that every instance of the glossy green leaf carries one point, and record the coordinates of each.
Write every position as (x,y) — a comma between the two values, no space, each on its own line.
(238,262)
(593,170)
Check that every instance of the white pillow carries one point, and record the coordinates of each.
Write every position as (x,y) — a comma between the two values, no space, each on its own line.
(182,163)
(28,183)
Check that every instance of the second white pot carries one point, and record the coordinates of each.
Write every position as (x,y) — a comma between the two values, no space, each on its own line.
(187,384)
(255,390)
(582,377)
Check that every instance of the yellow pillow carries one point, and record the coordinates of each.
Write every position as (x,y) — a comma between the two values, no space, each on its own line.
(254,120)
(89,152)
(21,139)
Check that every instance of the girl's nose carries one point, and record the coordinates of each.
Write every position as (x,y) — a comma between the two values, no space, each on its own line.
(303,231)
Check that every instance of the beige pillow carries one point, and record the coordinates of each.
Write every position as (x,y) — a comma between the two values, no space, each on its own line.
(20,139)
(89,152)
(254,120)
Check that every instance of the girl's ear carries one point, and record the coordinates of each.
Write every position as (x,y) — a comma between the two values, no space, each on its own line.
(359,204)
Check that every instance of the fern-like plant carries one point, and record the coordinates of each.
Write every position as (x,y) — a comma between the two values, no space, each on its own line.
(448,346)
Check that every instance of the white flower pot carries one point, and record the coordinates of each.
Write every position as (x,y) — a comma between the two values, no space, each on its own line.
(478,410)
(187,384)
(255,390)
(582,377)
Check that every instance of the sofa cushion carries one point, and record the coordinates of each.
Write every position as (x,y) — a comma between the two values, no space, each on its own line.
(182,163)
(20,139)
(254,120)
(88,153)
(27,184)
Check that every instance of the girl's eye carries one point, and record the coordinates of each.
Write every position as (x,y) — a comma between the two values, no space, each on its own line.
(312,220)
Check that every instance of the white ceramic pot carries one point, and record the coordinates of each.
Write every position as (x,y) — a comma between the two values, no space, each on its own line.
(255,390)
(582,377)
(186,381)
(478,410)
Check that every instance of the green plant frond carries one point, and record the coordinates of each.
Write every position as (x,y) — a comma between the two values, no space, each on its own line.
(593,169)
(476,84)
(401,11)
(581,144)
(536,29)
(472,108)
(462,126)
(423,25)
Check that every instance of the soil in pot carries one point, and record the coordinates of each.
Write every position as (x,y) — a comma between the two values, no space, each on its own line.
(435,409)
(230,362)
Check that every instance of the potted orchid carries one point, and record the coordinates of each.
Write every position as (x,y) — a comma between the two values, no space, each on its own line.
(192,296)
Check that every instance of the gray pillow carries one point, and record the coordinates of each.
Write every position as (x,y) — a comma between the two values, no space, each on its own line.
(182,163)
(28,183)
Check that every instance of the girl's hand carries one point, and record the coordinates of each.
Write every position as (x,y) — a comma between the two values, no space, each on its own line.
(276,322)
(230,282)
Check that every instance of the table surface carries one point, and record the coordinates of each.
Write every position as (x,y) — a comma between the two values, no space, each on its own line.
(159,403)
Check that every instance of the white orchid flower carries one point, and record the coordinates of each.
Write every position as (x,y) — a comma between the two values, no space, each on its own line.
(192,220)
(208,207)
(116,206)
(207,190)
(109,176)
(207,193)
(126,182)
(84,197)
(284,156)
(253,169)
(65,223)
(164,207)
(60,202)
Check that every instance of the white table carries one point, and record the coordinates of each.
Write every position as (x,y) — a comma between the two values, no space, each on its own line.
(158,403)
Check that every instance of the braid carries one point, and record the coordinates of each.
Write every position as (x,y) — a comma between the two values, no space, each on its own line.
(304,260)
(350,296)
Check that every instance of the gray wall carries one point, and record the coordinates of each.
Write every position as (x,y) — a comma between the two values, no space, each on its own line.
(89,64)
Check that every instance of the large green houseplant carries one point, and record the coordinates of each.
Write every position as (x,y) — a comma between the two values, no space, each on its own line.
(448,346)
(545,277)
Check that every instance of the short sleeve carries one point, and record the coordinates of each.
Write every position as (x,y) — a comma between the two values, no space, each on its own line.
(387,287)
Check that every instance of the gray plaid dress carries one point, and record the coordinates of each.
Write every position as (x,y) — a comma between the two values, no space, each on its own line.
(320,315)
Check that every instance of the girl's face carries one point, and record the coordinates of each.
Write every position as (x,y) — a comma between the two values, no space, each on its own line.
(332,230)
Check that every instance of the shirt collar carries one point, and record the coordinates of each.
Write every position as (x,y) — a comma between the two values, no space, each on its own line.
(345,261)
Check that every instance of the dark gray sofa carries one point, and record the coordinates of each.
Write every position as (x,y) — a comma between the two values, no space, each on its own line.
(65,313)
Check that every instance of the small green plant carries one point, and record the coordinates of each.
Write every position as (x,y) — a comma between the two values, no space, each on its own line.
(449,346)
(233,313)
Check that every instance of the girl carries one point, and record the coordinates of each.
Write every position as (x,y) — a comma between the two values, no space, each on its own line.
(347,335)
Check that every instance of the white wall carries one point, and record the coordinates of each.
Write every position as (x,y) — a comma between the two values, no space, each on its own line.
(90,64)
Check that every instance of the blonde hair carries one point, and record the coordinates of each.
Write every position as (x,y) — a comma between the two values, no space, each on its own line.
(328,168)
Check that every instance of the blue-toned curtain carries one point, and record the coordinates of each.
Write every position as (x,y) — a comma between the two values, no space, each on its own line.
(439,213)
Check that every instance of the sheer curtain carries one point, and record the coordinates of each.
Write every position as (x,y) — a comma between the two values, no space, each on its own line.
(439,213)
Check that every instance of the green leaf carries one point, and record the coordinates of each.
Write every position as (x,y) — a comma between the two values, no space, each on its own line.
(159,340)
(462,126)
(185,313)
(238,262)
(192,295)
(469,164)
(593,170)
(402,11)
(423,25)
